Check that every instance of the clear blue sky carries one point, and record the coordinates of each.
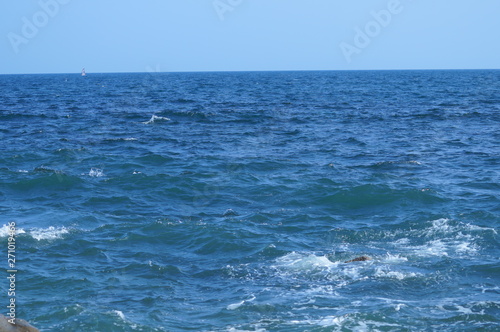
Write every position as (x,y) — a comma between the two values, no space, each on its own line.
(61,36)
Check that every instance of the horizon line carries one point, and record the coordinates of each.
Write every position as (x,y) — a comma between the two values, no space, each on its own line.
(252,71)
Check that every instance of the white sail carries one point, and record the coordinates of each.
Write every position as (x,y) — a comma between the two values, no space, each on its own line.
(83,72)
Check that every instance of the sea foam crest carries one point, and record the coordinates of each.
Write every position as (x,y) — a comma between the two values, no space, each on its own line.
(325,321)
(296,261)
(155,118)
(347,322)
(446,238)
(119,314)
(385,273)
(394,259)
(235,306)
(5,231)
(96,172)
(50,233)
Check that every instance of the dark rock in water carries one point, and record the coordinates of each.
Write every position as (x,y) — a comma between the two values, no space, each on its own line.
(359,259)
(20,326)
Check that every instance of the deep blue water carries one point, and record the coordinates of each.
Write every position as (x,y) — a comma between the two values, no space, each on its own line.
(229,201)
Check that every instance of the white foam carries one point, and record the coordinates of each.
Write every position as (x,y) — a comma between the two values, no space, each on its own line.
(466,247)
(51,233)
(439,226)
(339,322)
(443,239)
(402,241)
(353,272)
(119,314)
(331,321)
(398,306)
(394,259)
(479,228)
(464,310)
(96,172)
(235,306)
(5,231)
(380,273)
(155,118)
(484,289)
(461,245)
(296,261)
(443,227)
(326,321)
(306,265)
(371,325)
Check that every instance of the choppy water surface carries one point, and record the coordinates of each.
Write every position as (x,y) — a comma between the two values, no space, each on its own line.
(229,201)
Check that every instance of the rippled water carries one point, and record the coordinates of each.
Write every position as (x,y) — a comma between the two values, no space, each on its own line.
(230,201)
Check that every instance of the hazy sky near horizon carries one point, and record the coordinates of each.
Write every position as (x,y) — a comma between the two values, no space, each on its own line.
(62,36)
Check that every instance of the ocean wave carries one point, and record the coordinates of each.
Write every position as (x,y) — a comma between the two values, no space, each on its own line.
(237,305)
(384,272)
(390,163)
(300,262)
(54,181)
(95,173)
(240,212)
(371,196)
(153,159)
(13,115)
(39,234)
(394,259)
(50,233)
(183,101)
(310,266)
(348,321)
(444,248)
(328,321)
(442,238)
(87,318)
(155,118)
(45,169)
(196,114)
(121,139)
(5,231)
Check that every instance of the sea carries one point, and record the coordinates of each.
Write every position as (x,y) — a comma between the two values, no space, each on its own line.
(231,201)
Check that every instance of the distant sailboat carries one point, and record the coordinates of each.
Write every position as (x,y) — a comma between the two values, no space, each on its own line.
(83,72)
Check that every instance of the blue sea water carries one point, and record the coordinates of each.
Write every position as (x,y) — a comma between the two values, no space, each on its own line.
(230,201)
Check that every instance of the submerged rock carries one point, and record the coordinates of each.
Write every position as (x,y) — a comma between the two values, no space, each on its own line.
(20,326)
(359,259)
